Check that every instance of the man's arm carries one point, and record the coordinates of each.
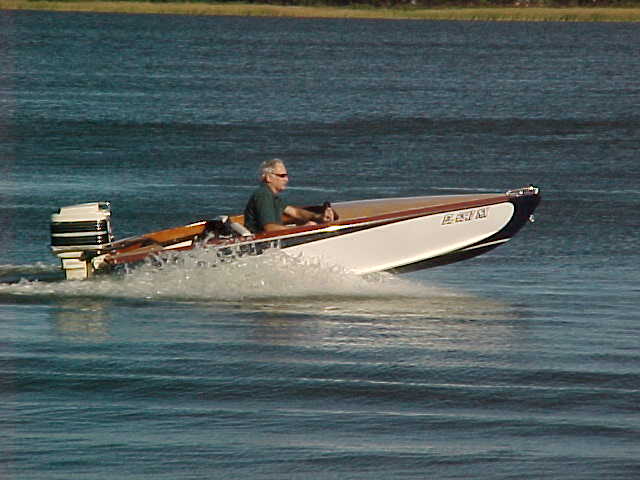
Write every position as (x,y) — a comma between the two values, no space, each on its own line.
(303,216)
(272,227)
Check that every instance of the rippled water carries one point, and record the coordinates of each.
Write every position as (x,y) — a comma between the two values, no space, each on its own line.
(522,363)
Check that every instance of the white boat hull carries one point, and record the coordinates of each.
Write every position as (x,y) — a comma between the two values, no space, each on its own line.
(408,242)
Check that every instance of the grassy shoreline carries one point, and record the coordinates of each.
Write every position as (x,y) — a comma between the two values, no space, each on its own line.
(577,14)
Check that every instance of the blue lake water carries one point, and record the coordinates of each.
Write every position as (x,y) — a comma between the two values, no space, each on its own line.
(522,363)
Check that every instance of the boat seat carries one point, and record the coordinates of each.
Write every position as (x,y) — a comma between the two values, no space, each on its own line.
(224,226)
(240,229)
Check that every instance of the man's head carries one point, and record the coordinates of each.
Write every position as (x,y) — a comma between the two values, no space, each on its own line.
(274,174)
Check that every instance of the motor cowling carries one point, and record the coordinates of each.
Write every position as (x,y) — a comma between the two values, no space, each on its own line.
(78,234)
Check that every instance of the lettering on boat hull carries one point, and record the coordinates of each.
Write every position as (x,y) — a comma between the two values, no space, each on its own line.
(465,216)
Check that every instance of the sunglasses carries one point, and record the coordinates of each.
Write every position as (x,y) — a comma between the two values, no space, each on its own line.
(281,175)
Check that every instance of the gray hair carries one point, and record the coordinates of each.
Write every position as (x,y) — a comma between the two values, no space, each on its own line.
(269,166)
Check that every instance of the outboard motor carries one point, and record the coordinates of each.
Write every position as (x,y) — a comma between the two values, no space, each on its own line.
(78,234)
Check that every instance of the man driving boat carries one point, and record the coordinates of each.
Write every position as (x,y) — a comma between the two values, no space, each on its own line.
(265,209)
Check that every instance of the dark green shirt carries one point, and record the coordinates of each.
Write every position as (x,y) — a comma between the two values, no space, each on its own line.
(263,207)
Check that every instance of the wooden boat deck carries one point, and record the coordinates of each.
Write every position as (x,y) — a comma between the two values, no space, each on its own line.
(371,208)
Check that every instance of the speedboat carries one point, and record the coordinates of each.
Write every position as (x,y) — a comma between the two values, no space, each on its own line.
(389,234)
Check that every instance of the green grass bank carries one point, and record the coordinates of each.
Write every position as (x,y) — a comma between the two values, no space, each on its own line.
(528,14)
